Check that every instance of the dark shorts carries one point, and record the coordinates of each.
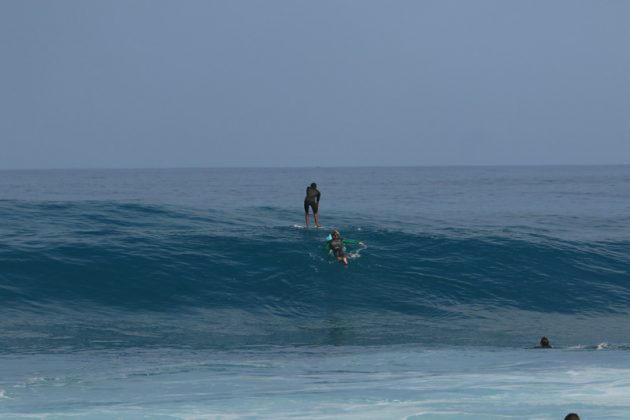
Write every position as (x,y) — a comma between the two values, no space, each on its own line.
(312,204)
(338,252)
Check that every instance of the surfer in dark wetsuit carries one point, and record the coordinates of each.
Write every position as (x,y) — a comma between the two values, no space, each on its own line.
(335,243)
(312,200)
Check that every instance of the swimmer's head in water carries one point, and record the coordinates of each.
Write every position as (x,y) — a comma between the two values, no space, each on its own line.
(544,342)
(313,185)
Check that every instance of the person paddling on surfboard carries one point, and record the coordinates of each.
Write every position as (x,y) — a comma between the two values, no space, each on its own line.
(312,200)
(335,243)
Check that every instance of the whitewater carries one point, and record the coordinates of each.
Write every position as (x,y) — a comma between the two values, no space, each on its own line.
(198,293)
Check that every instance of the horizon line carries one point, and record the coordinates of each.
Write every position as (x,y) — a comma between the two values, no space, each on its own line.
(129,168)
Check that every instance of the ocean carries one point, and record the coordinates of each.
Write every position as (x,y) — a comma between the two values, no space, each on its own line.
(200,293)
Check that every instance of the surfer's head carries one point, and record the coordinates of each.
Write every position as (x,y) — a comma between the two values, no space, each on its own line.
(313,185)
(335,234)
(544,343)
(572,416)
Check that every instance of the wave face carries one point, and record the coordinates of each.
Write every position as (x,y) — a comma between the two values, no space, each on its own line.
(219,258)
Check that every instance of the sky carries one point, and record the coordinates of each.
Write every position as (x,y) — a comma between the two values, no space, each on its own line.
(166,83)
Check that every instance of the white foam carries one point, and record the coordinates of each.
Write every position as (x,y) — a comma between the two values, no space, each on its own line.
(296,226)
(325,383)
(357,253)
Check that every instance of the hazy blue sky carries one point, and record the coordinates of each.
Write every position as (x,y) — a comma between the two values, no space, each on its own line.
(305,83)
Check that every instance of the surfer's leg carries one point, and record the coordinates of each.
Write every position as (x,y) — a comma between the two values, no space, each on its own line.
(315,207)
(306,213)
(341,256)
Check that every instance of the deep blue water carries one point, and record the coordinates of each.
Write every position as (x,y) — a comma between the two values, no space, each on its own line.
(219,260)
(218,257)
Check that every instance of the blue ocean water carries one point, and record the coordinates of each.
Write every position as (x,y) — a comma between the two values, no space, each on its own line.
(199,293)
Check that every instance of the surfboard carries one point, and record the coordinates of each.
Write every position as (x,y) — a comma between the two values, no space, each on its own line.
(296,226)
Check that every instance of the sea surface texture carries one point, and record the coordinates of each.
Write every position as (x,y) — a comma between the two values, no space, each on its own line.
(200,293)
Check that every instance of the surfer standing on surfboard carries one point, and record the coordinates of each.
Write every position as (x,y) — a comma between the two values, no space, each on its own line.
(312,200)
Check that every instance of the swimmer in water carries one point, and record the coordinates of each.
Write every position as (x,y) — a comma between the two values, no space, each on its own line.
(544,343)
